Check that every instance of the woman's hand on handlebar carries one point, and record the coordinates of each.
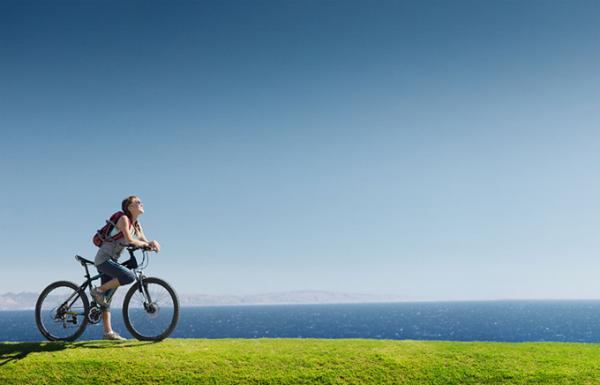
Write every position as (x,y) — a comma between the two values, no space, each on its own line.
(154,246)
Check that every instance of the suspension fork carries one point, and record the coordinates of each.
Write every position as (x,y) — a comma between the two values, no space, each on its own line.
(144,288)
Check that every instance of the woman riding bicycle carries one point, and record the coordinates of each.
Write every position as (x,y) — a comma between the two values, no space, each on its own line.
(113,273)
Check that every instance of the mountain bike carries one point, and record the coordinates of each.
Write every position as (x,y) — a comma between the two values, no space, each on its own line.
(150,307)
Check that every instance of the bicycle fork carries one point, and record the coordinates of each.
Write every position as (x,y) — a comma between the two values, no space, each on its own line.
(146,294)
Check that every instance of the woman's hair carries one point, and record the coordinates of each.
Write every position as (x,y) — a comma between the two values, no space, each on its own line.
(124,206)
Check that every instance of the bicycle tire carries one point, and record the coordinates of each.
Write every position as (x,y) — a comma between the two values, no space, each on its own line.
(172,323)
(38,311)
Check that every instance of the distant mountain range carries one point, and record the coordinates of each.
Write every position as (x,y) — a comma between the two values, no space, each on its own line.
(18,301)
(27,300)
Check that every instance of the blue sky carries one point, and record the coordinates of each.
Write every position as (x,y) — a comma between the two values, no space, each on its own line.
(428,149)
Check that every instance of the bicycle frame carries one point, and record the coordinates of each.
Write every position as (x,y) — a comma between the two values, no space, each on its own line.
(81,291)
(66,305)
(139,277)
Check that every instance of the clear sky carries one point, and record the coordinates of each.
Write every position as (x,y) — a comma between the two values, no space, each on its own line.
(428,149)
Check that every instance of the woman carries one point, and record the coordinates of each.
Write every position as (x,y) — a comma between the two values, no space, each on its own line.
(113,273)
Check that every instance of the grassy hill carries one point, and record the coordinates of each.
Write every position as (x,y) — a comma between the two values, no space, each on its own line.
(298,361)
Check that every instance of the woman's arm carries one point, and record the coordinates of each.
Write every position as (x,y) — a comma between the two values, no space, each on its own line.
(141,234)
(154,245)
(123,225)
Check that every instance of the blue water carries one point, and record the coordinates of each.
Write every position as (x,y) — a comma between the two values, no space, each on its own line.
(511,321)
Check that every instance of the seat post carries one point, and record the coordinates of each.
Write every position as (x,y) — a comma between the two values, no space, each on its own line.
(87,271)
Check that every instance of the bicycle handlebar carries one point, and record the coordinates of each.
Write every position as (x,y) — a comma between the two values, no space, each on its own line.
(132,262)
(134,248)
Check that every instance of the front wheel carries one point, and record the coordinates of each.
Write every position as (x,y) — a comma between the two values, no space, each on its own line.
(151,311)
(60,311)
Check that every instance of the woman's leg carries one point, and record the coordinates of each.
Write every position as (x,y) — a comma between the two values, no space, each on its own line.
(113,276)
(107,282)
(106,321)
(120,275)
(112,284)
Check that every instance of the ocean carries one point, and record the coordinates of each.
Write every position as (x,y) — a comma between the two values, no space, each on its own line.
(506,321)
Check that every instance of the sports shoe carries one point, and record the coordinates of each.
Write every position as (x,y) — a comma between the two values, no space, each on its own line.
(114,336)
(98,297)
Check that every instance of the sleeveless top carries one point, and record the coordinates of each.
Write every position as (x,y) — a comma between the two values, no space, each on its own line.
(113,249)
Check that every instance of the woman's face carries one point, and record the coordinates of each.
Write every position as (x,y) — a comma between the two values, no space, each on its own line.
(136,207)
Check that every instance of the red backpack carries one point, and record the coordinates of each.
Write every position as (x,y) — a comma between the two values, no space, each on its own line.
(103,233)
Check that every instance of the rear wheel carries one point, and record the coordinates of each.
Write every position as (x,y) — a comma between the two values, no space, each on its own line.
(151,314)
(60,311)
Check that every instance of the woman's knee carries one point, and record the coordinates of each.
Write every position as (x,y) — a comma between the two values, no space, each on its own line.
(126,278)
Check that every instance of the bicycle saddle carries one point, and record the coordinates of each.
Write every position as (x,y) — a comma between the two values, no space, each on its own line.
(83,261)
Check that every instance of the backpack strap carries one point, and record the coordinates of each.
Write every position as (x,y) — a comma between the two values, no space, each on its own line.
(112,223)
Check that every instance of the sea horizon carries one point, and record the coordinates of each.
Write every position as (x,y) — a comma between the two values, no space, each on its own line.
(498,321)
(25,300)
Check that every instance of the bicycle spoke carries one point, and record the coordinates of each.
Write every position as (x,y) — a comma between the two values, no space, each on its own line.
(61,312)
(151,317)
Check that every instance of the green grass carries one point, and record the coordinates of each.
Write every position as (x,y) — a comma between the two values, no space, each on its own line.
(298,361)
